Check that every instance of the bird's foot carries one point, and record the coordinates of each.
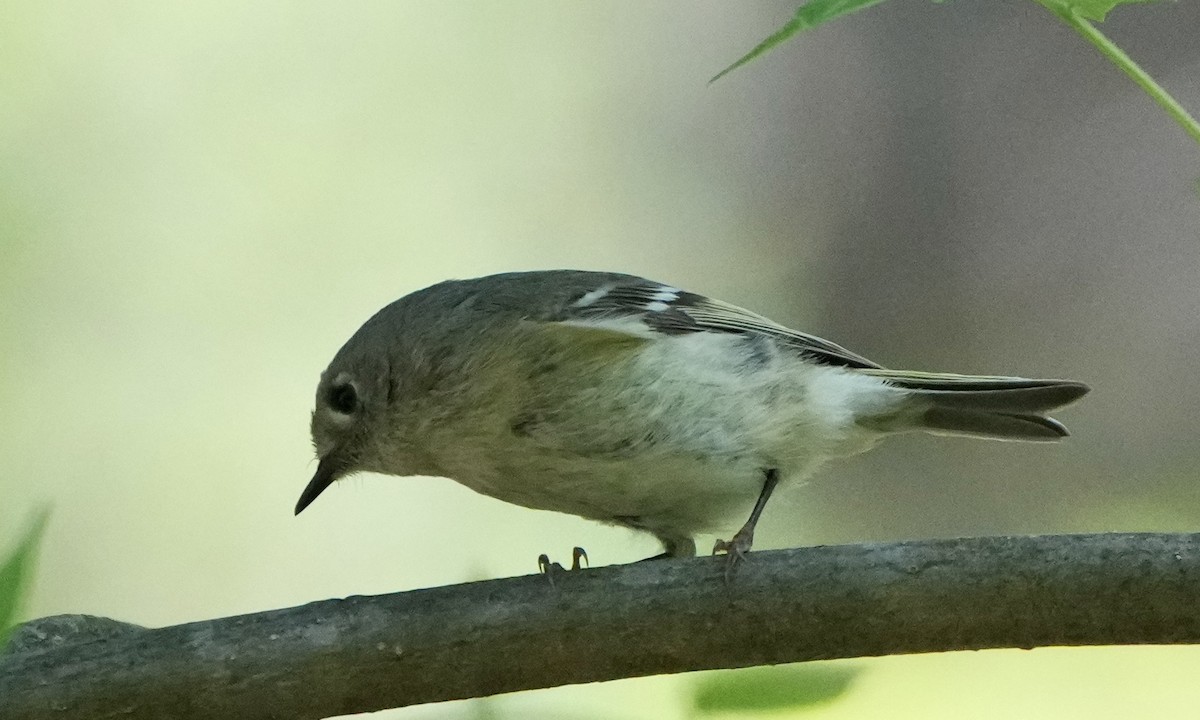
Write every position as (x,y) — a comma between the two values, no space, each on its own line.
(550,569)
(735,549)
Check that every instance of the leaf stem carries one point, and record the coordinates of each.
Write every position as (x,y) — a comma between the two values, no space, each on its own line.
(1131,68)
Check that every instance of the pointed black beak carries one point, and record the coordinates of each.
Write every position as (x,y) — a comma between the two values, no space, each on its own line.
(327,471)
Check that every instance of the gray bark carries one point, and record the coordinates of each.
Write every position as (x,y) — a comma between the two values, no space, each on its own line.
(368,653)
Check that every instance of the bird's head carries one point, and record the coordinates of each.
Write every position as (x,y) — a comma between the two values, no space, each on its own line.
(352,402)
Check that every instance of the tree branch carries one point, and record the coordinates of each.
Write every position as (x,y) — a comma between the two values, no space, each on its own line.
(368,653)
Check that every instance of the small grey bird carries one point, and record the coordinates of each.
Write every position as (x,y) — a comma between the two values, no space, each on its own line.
(629,401)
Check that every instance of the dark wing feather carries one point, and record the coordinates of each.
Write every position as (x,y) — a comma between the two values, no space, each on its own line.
(672,311)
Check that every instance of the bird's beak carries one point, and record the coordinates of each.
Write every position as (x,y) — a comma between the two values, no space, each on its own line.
(328,470)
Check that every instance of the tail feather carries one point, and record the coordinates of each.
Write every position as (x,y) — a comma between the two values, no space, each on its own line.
(1005,408)
(992,425)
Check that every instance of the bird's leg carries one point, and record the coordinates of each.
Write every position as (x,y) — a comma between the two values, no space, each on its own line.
(735,549)
(549,569)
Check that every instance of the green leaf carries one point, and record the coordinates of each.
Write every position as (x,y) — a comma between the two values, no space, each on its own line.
(15,573)
(808,15)
(1091,9)
(773,688)
(1078,13)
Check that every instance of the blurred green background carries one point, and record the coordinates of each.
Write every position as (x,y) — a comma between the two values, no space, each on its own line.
(200,203)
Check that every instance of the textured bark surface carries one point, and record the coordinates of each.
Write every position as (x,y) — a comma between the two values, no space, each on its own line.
(368,653)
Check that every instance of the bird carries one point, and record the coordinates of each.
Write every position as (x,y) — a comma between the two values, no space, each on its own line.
(629,402)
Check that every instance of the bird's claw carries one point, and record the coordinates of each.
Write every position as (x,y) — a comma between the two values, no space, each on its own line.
(735,550)
(545,566)
(550,569)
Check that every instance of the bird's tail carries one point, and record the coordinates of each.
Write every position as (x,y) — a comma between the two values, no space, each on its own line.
(1003,408)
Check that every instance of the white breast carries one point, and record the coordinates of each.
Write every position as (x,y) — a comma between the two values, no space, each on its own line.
(678,435)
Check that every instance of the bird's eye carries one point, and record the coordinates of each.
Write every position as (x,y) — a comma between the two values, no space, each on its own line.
(343,399)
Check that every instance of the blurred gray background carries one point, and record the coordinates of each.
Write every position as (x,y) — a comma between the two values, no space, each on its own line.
(199,205)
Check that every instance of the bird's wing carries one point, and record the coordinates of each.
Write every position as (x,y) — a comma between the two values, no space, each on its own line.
(648,307)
